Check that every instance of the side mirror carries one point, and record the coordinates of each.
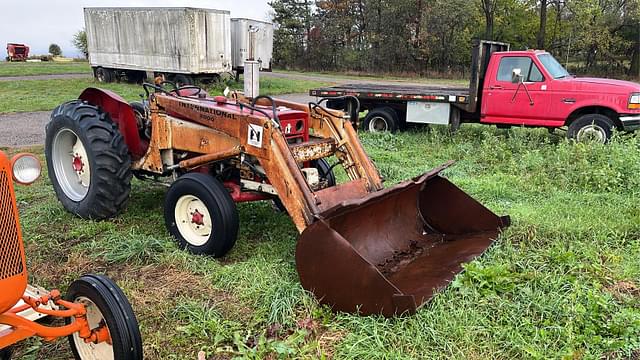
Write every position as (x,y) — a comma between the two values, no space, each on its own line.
(516,76)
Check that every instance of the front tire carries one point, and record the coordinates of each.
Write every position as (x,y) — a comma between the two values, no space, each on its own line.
(88,161)
(591,128)
(201,215)
(381,120)
(106,305)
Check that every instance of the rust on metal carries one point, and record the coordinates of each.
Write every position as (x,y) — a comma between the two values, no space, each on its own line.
(314,149)
(205,159)
(362,247)
(389,252)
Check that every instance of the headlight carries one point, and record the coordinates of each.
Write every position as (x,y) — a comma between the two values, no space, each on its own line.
(634,101)
(26,169)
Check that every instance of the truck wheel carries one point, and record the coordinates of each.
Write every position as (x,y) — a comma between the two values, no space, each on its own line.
(106,305)
(591,127)
(103,75)
(88,161)
(201,215)
(381,119)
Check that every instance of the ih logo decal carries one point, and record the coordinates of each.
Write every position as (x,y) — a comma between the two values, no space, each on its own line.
(254,136)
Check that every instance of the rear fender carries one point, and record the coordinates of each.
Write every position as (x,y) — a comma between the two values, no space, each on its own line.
(121,114)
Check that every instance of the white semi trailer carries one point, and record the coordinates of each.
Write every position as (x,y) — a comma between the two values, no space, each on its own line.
(241,32)
(183,44)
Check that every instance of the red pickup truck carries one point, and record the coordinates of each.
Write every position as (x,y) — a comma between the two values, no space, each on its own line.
(508,88)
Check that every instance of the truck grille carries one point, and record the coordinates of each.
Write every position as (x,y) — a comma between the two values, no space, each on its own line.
(10,257)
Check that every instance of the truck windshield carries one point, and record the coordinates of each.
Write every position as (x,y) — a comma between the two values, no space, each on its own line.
(555,69)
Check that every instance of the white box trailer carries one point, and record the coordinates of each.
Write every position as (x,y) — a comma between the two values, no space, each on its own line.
(184,44)
(240,43)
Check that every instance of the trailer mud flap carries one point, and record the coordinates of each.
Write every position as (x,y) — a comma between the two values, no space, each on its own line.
(391,251)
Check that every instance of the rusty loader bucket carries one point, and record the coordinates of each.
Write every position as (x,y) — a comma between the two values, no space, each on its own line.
(391,251)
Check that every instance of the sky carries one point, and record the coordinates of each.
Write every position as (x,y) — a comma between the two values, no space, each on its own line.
(39,23)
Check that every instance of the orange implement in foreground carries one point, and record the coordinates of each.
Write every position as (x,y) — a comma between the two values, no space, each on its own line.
(100,323)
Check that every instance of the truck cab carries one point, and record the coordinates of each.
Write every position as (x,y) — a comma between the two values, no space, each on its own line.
(531,88)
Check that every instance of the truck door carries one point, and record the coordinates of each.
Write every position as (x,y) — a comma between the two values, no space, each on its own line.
(506,102)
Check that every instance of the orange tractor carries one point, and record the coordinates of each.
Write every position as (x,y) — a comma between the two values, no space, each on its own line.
(362,247)
(100,323)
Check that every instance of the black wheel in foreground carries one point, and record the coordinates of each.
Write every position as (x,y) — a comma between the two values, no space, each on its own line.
(106,305)
(591,127)
(381,120)
(88,161)
(5,354)
(104,75)
(201,215)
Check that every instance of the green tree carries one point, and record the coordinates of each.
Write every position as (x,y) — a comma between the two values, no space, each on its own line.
(80,42)
(55,50)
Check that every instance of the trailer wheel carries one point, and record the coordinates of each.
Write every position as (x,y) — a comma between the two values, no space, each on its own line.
(106,306)
(591,127)
(103,75)
(381,120)
(182,80)
(201,215)
(88,161)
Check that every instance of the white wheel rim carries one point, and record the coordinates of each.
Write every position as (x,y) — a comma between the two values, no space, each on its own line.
(378,124)
(71,164)
(91,351)
(592,132)
(193,220)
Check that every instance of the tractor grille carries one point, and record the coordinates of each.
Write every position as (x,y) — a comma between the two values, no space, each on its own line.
(10,257)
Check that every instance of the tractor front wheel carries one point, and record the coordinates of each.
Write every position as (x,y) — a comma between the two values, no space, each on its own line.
(106,306)
(88,161)
(201,215)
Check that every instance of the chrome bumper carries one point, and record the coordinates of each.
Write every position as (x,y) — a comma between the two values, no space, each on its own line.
(630,122)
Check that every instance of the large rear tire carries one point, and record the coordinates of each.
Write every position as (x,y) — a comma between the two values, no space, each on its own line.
(5,354)
(88,161)
(201,215)
(106,305)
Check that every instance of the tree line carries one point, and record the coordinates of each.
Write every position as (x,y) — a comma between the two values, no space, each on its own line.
(434,36)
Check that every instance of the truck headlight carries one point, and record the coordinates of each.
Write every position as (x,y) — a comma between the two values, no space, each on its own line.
(26,169)
(634,101)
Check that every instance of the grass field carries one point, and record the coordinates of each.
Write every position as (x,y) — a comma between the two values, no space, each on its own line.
(36,95)
(562,282)
(43,68)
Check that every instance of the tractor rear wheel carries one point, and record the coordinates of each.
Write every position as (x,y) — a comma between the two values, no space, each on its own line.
(201,215)
(106,306)
(88,161)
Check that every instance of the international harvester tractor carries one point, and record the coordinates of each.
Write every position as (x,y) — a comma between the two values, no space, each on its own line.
(362,248)
(99,321)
